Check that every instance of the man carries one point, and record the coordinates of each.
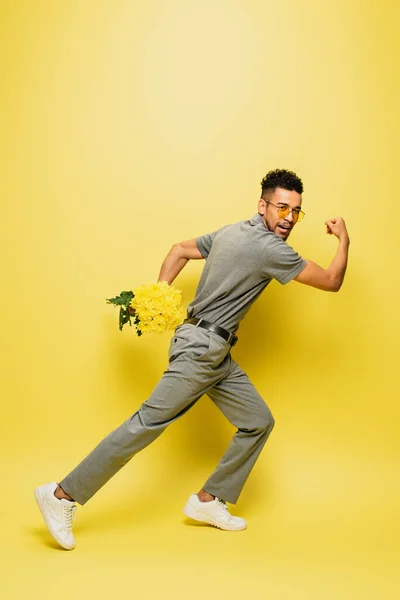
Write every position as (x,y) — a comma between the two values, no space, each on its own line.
(241,260)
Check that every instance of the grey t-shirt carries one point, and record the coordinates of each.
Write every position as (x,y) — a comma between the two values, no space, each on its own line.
(241,260)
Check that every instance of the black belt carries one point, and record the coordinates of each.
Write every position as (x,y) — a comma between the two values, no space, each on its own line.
(227,335)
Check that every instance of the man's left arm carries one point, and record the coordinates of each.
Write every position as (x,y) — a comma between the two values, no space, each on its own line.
(177,258)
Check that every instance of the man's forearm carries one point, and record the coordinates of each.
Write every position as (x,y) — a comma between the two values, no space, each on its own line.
(172,266)
(337,268)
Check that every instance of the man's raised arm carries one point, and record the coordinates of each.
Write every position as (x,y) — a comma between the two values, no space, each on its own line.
(330,279)
(177,258)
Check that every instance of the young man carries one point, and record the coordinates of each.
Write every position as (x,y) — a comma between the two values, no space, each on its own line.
(241,260)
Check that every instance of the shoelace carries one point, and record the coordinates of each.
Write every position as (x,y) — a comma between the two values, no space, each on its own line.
(68,513)
(222,505)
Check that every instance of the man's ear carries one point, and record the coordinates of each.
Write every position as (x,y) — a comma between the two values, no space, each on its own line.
(261,206)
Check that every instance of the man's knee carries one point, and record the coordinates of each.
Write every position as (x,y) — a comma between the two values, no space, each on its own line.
(271,422)
(265,422)
(156,413)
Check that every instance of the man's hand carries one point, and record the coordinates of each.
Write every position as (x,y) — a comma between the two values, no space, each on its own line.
(337,227)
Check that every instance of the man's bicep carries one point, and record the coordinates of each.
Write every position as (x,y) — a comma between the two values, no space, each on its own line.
(188,249)
(316,276)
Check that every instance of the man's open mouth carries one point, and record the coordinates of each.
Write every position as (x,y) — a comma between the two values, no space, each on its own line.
(284,228)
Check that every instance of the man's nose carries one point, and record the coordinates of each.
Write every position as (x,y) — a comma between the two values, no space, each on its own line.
(289,217)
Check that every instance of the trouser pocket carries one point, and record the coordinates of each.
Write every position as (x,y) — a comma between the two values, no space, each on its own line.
(196,346)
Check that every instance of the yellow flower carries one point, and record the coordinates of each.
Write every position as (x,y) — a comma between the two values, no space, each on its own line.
(157,306)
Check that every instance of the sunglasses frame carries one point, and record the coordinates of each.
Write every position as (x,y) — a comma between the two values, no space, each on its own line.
(300,215)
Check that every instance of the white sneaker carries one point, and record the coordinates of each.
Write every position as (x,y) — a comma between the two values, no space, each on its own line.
(214,513)
(57,514)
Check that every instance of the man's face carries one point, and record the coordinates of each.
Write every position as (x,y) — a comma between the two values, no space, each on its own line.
(280,198)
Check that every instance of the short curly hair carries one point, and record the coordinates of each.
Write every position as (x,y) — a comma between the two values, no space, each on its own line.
(281,178)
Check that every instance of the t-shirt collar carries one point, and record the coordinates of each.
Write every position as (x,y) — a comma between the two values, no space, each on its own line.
(257,220)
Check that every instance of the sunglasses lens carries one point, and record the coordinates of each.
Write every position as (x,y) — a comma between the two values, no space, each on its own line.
(283,212)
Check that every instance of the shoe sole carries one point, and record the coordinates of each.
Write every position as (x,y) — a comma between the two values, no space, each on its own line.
(42,508)
(192,512)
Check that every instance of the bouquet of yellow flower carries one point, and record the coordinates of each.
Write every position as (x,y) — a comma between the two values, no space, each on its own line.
(154,307)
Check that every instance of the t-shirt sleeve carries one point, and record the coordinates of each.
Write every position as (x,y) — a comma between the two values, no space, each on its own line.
(204,243)
(281,262)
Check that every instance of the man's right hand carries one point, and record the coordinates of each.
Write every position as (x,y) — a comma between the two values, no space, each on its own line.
(337,227)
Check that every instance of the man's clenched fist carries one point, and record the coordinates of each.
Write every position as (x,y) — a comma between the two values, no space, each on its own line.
(337,227)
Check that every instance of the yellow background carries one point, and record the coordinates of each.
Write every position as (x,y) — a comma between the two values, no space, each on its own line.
(129,126)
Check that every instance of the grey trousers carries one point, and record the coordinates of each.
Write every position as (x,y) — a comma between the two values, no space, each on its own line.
(199,363)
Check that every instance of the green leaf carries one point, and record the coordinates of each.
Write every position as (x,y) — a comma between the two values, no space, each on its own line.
(125,315)
(124,299)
